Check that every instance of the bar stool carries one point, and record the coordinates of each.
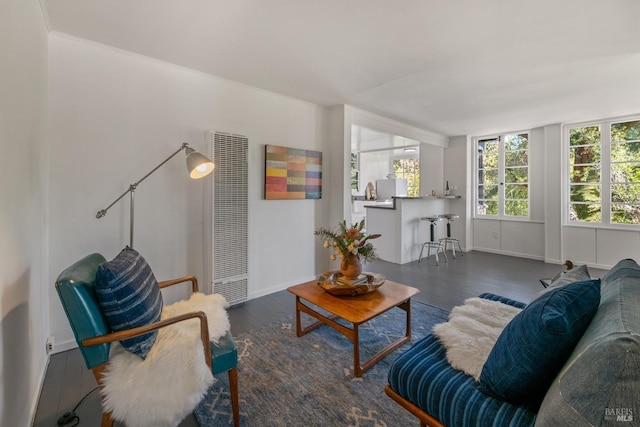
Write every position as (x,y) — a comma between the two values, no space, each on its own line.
(453,240)
(432,243)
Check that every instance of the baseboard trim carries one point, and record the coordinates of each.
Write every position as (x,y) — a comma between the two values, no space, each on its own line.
(65,346)
(36,399)
(273,289)
(507,253)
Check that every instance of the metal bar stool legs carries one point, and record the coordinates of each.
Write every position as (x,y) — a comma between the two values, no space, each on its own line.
(451,240)
(433,243)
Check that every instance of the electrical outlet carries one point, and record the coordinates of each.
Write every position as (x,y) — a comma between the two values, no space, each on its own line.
(495,234)
(49,345)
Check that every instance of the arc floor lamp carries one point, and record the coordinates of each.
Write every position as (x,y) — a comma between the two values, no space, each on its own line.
(198,166)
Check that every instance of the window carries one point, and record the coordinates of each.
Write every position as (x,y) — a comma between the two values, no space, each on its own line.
(625,172)
(355,172)
(502,167)
(604,173)
(408,169)
(585,203)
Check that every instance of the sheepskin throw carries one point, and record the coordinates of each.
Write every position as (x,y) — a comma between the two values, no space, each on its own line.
(472,330)
(166,386)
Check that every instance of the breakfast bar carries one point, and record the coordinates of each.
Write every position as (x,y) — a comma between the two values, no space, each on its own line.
(399,223)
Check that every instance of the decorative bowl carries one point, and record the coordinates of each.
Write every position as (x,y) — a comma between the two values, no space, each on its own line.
(334,283)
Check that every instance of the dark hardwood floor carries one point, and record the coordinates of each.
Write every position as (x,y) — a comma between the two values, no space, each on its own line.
(67,379)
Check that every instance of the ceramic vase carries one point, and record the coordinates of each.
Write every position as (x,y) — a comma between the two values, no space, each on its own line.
(351,267)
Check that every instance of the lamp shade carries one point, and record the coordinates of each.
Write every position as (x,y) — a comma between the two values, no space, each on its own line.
(198,165)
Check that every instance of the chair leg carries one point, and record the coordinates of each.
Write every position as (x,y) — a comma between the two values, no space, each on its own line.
(107,421)
(98,372)
(421,249)
(459,247)
(233,383)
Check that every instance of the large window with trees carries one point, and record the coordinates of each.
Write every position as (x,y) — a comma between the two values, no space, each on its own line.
(604,173)
(502,175)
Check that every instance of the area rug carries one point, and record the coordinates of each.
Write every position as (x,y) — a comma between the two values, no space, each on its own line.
(285,380)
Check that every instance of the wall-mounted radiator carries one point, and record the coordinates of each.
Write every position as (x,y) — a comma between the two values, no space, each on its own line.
(226,247)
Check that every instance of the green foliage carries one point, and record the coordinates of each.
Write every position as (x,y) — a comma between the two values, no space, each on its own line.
(354,172)
(584,135)
(409,169)
(516,207)
(585,161)
(516,142)
(520,174)
(516,191)
(516,175)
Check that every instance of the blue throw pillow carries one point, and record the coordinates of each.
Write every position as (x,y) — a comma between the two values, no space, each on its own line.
(534,346)
(129,296)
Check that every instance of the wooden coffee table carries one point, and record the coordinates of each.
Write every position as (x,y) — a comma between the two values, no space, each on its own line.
(355,310)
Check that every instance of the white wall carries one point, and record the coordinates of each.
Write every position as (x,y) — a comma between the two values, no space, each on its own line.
(599,247)
(552,192)
(373,166)
(516,238)
(115,115)
(458,169)
(432,173)
(23,214)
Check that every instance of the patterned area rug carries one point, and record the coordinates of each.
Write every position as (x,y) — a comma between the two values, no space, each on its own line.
(285,380)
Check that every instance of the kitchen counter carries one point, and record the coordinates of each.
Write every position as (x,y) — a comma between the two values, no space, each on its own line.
(392,203)
(402,230)
(426,197)
(383,205)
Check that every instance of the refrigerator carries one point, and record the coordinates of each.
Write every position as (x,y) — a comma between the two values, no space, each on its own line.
(387,188)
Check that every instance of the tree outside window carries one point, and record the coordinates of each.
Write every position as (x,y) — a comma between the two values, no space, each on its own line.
(585,203)
(502,170)
(604,173)
(408,169)
(625,172)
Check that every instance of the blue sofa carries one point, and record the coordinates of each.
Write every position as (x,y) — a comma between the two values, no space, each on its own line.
(599,383)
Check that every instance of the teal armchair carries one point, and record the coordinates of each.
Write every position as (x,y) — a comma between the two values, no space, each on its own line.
(76,289)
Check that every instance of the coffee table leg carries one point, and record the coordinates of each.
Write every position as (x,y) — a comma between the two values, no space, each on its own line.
(361,369)
(353,334)
(357,369)
(298,324)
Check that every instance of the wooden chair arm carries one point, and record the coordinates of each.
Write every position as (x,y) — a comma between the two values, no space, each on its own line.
(192,279)
(141,330)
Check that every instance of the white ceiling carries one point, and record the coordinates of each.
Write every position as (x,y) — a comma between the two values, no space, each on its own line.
(462,67)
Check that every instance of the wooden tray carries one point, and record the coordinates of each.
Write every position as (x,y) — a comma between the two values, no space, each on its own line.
(329,282)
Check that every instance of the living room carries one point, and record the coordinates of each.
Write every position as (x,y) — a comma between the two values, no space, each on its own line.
(82,120)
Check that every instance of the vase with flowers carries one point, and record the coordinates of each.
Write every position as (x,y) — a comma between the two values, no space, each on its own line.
(351,244)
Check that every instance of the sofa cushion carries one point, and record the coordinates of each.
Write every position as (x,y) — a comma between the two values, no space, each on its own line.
(423,376)
(129,296)
(598,384)
(576,274)
(535,344)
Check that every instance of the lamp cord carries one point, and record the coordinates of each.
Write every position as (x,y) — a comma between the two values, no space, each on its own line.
(69,417)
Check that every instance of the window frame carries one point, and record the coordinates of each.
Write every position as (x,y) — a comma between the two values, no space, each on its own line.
(502,199)
(605,174)
(415,157)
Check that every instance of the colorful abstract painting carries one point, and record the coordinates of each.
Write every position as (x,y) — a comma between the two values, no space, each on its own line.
(292,173)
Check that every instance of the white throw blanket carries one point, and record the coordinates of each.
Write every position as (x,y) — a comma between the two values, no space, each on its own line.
(166,386)
(472,331)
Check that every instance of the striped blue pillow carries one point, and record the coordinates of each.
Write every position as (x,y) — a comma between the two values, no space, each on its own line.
(129,296)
